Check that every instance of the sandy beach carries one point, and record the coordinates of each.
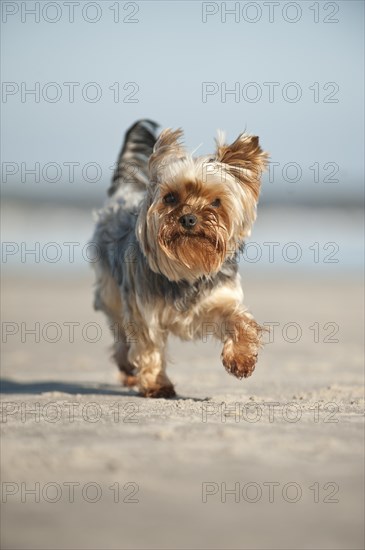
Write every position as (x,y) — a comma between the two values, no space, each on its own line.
(275,461)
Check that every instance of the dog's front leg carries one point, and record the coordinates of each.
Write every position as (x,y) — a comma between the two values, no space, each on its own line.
(241,337)
(235,327)
(149,360)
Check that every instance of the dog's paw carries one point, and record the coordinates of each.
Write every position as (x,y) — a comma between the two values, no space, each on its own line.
(165,392)
(238,360)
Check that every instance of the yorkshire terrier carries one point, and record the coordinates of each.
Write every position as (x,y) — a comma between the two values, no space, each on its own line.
(169,239)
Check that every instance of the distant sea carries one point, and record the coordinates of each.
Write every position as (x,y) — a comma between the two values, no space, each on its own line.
(51,238)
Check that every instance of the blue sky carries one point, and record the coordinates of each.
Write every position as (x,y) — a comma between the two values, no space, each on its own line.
(161,54)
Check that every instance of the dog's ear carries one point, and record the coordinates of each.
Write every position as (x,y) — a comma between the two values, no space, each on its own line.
(244,159)
(167,148)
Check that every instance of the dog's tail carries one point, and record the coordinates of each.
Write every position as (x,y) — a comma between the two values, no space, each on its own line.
(132,165)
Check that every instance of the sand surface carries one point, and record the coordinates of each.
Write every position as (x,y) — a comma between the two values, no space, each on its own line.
(275,461)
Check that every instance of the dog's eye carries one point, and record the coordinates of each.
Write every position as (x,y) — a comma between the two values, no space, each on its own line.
(170,198)
(216,203)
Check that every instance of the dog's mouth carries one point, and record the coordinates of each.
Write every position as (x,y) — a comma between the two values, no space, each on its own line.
(191,235)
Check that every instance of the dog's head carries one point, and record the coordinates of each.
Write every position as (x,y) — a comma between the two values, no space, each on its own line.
(198,211)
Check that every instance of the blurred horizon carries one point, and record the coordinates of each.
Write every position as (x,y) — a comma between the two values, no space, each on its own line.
(286,240)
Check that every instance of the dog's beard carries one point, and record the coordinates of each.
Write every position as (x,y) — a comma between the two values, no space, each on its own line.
(191,253)
(200,252)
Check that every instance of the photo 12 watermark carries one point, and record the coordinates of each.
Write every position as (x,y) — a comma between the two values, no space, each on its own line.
(271,412)
(269,92)
(68,412)
(271,492)
(71,331)
(253,252)
(71,171)
(71,492)
(270,12)
(30,12)
(69,92)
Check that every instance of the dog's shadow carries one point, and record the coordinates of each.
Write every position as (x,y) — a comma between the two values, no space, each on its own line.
(9,387)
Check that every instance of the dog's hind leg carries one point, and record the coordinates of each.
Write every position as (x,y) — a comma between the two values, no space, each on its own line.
(121,348)
(107,299)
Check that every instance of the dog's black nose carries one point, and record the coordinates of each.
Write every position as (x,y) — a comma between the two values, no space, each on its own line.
(188,221)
